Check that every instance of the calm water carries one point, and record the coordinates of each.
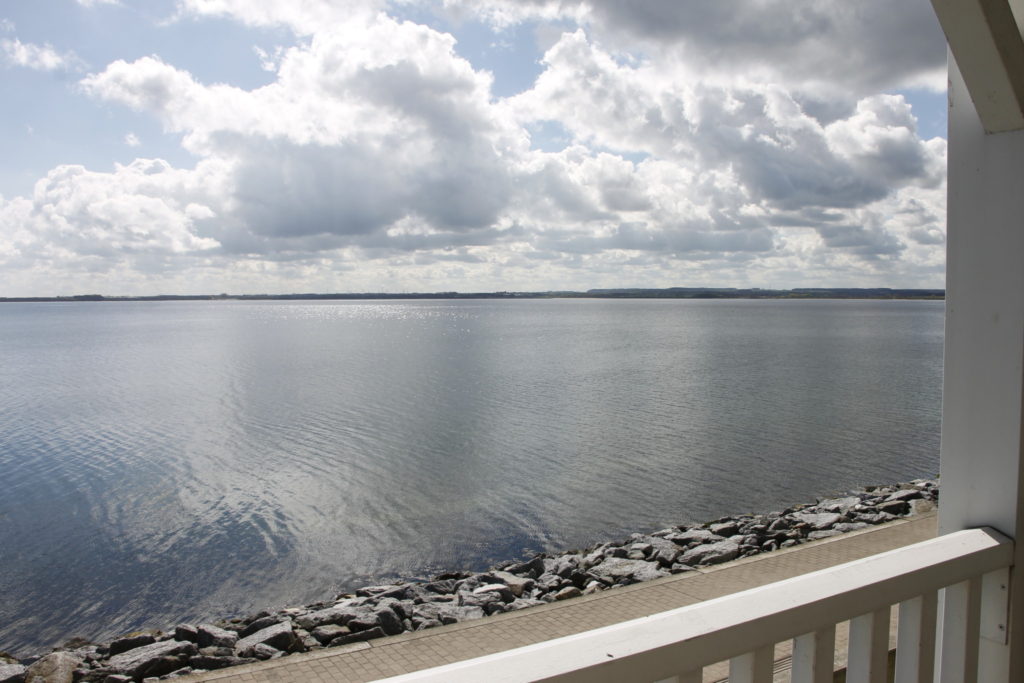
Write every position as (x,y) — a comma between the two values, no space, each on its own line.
(174,461)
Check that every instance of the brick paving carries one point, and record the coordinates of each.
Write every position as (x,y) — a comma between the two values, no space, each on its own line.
(410,652)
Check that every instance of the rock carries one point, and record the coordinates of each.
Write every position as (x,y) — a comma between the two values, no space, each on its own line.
(117,678)
(254,626)
(368,634)
(694,536)
(568,592)
(724,529)
(186,632)
(517,584)
(209,635)
(904,494)
(130,643)
(711,553)
(500,589)
(838,504)
(428,623)
(644,549)
(146,660)
(548,582)
(441,587)
(818,520)
(386,591)
(364,622)
(262,651)
(279,636)
(328,632)
(894,507)
(532,568)
(616,569)
(490,602)
(849,526)
(12,673)
(214,663)
(523,603)
(339,614)
(454,615)
(389,622)
(827,533)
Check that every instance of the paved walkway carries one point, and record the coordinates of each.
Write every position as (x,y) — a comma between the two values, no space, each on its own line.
(410,652)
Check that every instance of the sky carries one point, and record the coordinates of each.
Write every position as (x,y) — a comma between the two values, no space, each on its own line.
(265,146)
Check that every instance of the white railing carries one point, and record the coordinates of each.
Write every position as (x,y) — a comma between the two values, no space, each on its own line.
(969,567)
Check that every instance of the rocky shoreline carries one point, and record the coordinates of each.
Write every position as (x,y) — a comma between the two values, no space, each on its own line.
(377,611)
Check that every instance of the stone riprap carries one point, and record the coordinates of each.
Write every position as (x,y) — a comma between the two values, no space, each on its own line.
(377,611)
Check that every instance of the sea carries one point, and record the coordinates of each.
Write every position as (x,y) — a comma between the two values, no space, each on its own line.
(180,461)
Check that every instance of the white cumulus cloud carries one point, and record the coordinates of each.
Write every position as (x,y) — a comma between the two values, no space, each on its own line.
(378,156)
(38,57)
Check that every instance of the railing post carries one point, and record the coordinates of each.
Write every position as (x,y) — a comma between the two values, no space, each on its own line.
(814,656)
(868,656)
(958,654)
(752,667)
(915,642)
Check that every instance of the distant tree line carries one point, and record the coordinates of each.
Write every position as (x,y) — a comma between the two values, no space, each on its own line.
(627,293)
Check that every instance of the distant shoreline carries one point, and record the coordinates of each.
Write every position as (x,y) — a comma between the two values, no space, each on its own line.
(635,293)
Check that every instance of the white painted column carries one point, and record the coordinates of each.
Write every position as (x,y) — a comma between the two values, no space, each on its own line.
(984,356)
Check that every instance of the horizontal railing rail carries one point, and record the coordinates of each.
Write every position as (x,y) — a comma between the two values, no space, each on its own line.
(970,566)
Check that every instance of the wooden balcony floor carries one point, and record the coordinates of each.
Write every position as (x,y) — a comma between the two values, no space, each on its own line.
(446,644)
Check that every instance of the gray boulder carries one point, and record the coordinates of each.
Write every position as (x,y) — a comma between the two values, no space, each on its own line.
(568,592)
(818,520)
(146,660)
(262,651)
(725,529)
(130,643)
(12,673)
(328,632)
(257,625)
(279,636)
(826,533)
(904,494)
(186,632)
(341,613)
(454,615)
(711,553)
(838,504)
(368,634)
(517,584)
(501,590)
(694,536)
(208,635)
(532,568)
(894,507)
(208,663)
(616,569)
(389,622)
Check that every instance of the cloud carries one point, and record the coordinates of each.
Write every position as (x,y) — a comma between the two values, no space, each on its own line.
(38,57)
(305,17)
(829,46)
(132,140)
(379,157)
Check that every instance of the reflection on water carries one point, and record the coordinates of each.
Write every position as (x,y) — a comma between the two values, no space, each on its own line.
(176,461)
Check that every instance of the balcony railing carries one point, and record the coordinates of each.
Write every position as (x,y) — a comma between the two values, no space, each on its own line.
(970,567)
